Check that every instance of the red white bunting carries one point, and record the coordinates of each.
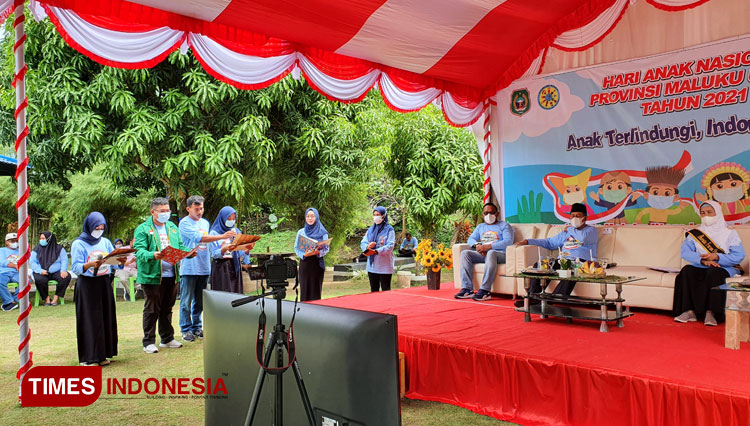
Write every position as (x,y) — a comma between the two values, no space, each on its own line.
(249,64)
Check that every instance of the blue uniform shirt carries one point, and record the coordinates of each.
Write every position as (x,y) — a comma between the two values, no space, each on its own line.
(82,252)
(61,264)
(191,232)
(580,243)
(499,234)
(382,262)
(8,255)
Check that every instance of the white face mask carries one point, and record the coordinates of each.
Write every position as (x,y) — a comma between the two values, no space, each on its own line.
(573,197)
(377,219)
(577,222)
(709,220)
(163,217)
(97,233)
(489,219)
(728,195)
(14,245)
(229,223)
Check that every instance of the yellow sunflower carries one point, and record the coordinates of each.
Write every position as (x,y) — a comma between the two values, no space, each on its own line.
(435,268)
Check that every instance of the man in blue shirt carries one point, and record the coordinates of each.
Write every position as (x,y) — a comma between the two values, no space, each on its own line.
(488,243)
(408,246)
(9,271)
(577,241)
(194,272)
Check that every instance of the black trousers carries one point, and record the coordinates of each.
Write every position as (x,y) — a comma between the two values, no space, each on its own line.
(42,284)
(692,291)
(310,278)
(159,301)
(407,253)
(379,281)
(564,287)
(96,319)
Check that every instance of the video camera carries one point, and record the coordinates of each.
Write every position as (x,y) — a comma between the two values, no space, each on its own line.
(278,270)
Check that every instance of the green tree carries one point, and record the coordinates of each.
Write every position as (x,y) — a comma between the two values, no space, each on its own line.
(434,169)
(176,130)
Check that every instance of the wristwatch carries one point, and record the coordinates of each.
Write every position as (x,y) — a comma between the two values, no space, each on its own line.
(474,247)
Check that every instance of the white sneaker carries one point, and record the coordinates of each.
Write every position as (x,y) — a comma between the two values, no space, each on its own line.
(150,349)
(174,344)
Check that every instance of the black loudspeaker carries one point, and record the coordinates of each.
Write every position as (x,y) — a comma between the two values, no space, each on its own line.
(348,360)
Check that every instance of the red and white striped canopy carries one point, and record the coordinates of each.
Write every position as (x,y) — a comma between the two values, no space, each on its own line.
(459,52)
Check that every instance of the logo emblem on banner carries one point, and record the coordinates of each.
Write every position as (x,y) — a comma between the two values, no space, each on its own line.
(519,102)
(549,97)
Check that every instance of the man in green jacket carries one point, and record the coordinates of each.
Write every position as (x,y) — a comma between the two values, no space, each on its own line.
(156,276)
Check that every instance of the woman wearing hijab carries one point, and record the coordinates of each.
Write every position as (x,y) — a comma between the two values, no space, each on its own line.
(226,264)
(96,319)
(49,261)
(312,267)
(714,252)
(378,245)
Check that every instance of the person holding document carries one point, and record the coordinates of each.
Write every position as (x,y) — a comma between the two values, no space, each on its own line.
(311,245)
(227,262)
(714,252)
(378,245)
(96,318)
(152,242)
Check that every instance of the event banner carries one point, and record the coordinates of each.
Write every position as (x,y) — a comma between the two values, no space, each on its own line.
(643,141)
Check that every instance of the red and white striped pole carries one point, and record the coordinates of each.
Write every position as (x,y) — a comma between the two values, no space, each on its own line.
(22,160)
(487,150)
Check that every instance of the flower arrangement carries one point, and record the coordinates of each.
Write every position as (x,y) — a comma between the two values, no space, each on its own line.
(433,259)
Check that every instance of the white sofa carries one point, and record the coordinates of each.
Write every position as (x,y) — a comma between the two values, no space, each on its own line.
(635,248)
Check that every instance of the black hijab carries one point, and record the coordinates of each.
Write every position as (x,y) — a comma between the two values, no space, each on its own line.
(49,254)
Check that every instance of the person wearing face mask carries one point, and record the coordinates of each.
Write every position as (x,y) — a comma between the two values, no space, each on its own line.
(488,243)
(9,271)
(312,267)
(729,184)
(377,245)
(714,252)
(661,194)
(49,261)
(158,278)
(194,273)
(96,316)
(613,189)
(578,240)
(226,265)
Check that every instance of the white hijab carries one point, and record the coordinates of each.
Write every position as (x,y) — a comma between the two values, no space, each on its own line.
(719,232)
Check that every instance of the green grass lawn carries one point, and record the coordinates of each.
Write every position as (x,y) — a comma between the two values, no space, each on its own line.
(54,343)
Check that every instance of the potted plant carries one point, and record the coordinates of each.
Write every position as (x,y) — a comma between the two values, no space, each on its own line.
(564,271)
(433,260)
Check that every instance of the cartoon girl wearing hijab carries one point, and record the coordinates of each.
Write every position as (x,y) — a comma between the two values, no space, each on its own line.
(727,184)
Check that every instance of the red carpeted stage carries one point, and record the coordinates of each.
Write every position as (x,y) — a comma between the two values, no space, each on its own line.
(482,356)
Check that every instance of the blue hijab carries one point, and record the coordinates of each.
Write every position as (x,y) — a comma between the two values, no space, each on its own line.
(316,231)
(376,231)
(93,220)
(220,227)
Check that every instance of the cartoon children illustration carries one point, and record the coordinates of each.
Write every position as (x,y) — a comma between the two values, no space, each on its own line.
(727,183)
(661,194)
(573,190)
(613,188)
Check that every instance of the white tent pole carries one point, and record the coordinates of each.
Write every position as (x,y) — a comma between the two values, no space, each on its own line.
(22,161)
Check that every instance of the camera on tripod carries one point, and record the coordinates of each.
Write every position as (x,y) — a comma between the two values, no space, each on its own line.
(278,270)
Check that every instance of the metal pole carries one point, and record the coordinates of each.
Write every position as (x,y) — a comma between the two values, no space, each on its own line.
(487,151)
(22,161)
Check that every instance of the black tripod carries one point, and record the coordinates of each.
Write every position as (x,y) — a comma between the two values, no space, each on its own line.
(279,339)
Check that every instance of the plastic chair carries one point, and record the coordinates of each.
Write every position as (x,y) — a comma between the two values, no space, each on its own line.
(37,298)
(131,284)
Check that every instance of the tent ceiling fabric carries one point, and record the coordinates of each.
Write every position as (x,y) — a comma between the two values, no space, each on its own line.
(457,53)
